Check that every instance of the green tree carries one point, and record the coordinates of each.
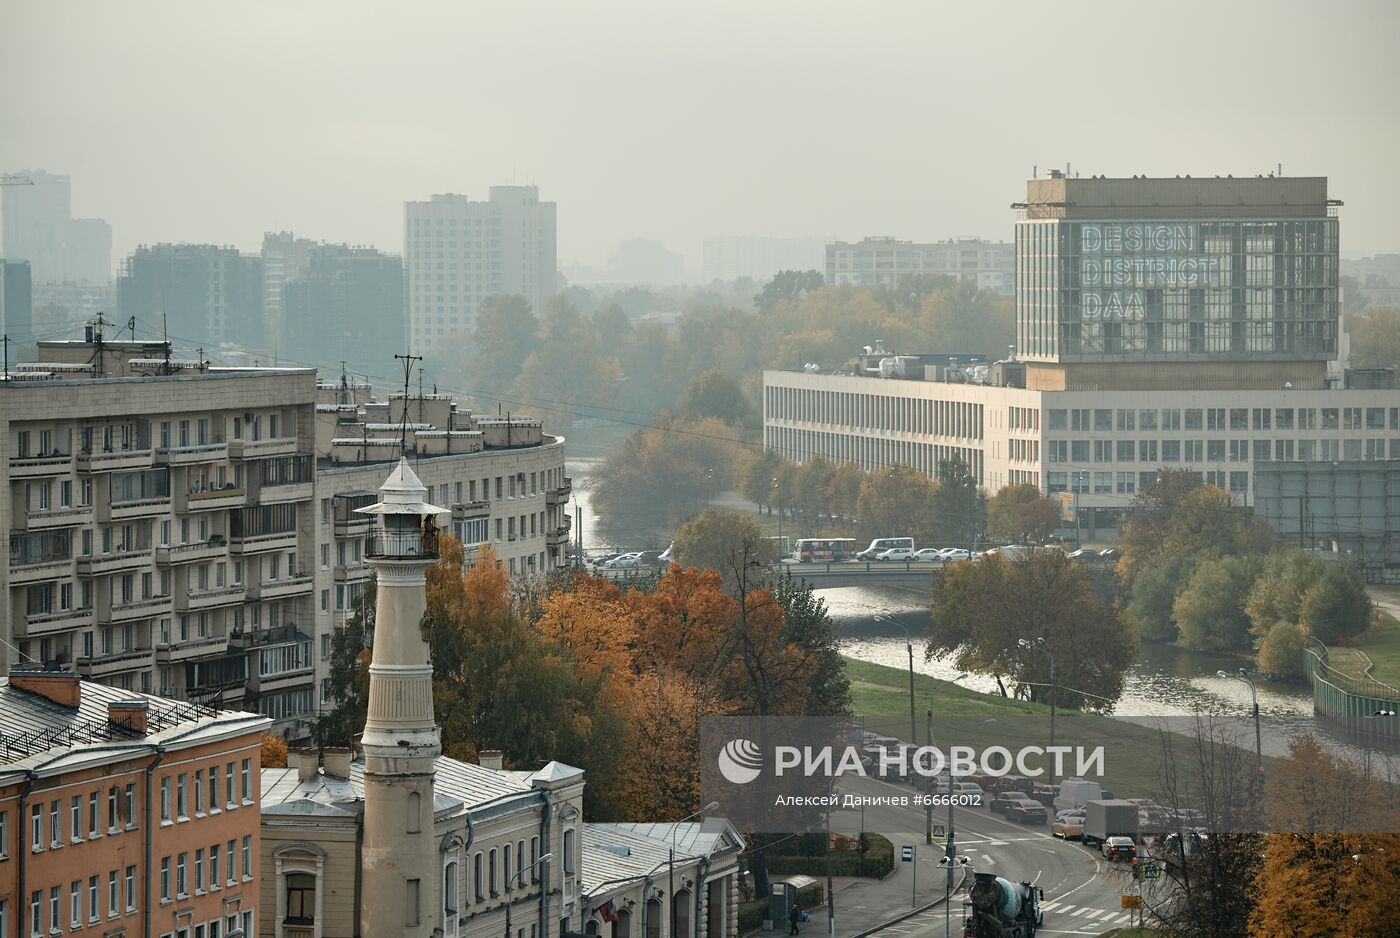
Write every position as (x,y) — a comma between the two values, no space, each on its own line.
(502,338)
(983,609)
(1336,606)
(896,502)
(1154,594)
(1209,612)
(349,675)
(843,491)
(959,506)
(787,286)
(757,474)
(808,627)
(723,541)
(1280,652)
(1020,514)
(810,483)
(568,371)
(962,318)
(715,394)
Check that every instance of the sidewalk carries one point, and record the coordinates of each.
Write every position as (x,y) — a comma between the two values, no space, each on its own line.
(863,905)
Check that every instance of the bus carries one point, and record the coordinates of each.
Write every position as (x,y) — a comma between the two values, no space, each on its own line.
(809,549)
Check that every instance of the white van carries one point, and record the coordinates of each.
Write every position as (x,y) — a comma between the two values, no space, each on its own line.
(1075,793)
(882,544)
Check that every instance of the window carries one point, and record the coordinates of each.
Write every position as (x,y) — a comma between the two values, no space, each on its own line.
(1056,420)
(449,892)
(165,799)
(228,788)
(4,834)
(232,874)
(1127,419)
(181,797)
(1194,418)
(491,872)
(36,828)
(1147,451)
(477,889)
(1239,418)
(112,796)
(182,873)
(214,866)
(1126,482)
(165,879)
(199,871)
(569,850)
(506,866)
(246,781)
(1103,419)
(247,856)
(93,914)
(411,911)
(301,899)
(75,904)
(36,904)
(130,888)
(199,793)
(534,859)
(113,897)
(131,806)
(55,824)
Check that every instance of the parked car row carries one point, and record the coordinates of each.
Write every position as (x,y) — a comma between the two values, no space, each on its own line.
(632,559)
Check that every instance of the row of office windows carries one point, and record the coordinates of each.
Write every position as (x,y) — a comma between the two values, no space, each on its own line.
(1236,450)
(87,901)
(175,799)
(80,820)
(1101,419)
(875,411)
(203,872)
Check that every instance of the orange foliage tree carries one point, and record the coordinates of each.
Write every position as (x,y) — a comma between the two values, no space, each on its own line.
(274,752)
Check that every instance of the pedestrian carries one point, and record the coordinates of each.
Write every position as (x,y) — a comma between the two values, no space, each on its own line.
(793,915)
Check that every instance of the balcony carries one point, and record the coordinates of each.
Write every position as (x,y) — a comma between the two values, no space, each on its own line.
(194,600)
(286,492)
(190,455)
(348,521)
(168,652)
(109,460)
(468,511)
(215,547)
(257,638)
(137,609)
(136,508)
(212,499)
(284,680)
(555,497)
(35,467)
(116,562)
(99,666)
(258,543)
(34,572)
(260,449)
(356,526)
(36,556)
(557,537)
(59,518)
(50,623)
(352,572)
(281,589)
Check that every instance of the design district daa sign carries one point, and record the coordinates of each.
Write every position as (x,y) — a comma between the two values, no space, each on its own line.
(1119,262)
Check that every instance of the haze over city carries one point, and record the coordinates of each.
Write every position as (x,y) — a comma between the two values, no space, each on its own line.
(217,122)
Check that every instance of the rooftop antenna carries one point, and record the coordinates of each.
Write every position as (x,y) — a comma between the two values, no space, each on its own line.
(420,396)
(408,360)
(131,325)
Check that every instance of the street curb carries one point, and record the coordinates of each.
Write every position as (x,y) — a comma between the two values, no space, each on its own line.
(912,912)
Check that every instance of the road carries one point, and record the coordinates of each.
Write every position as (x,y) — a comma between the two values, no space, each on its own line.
(1082,892)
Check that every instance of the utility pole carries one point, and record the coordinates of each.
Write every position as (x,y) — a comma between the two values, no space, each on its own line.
(408,360)
(929,783)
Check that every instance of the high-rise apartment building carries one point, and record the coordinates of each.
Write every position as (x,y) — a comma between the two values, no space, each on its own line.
(37,225)
(1161,323)
(458,252)
(883,261)
(284,257)
(344,304)
(161,523)
(16,304)
(200,294)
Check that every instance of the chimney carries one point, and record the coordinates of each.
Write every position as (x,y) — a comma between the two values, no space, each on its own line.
(491,759)
(61,687)
(306,761)
(130,713)
(337,761)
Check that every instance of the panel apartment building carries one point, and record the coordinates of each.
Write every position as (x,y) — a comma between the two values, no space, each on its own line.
(458,252)
(160,520)
(1183,323)
(883,261)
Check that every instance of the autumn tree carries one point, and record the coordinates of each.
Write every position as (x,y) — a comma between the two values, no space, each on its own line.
(274,752)
(809,491)
(843,491)
(348,688)
(715,394)
(1209,611)
(726,542)
(959,506)
(787,286)
(983,609)
(503,336)
(757,473)
(568,369)
(896,502)
(808,627)
(1154,594)
(1020,514)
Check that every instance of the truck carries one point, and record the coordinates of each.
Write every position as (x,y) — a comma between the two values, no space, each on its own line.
(881,544)
(1112,817)
(1003,909)
(1075,793)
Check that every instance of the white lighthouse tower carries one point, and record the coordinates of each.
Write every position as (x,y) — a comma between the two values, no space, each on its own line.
(401,738)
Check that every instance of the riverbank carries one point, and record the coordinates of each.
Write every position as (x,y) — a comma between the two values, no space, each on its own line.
(1133,753)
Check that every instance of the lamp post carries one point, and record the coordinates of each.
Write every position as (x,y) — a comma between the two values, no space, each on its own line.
(1243,675)
(948,863)
(1081,483)
(1371,719)
(709,480)
(671,868)
(777,486)
(909,647)
(510,884)
(1041,645)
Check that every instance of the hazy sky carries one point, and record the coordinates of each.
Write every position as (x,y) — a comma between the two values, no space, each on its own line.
(201,121)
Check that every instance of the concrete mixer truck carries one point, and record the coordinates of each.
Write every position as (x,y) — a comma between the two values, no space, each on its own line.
(1003,909)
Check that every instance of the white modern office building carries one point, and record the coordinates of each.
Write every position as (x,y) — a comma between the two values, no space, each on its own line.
(458,252)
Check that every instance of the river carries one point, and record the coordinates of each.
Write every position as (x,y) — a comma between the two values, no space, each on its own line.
(1166,681)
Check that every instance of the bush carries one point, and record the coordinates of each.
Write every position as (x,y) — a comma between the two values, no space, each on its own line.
(877,861)
(751,915)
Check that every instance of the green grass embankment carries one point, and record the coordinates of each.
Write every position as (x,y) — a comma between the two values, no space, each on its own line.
(1133,754)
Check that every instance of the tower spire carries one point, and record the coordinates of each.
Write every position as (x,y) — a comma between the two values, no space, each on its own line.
(401,741)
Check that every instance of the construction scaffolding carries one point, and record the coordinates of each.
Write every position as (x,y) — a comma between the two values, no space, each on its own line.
(1351,508)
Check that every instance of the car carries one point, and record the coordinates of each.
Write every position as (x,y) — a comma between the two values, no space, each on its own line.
(956,553)
(666,558)
(881,544)
(1109,553)
(649,558)
(603,559)
(929,555)
(623,561)
(1027,812)
(1069,825)
(1084,553)
(1003,800)
(967,788)
(1119,848)
(896,553)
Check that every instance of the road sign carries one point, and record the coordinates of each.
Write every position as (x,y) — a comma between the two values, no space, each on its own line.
(939,833)
(1151,871)
(1132,902)
(906,853)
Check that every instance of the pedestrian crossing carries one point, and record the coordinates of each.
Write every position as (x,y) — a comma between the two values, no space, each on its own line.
(1113,917)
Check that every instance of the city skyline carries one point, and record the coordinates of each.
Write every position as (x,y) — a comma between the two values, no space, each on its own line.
(381,127)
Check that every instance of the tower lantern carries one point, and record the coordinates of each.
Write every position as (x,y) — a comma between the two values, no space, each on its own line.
(401,741)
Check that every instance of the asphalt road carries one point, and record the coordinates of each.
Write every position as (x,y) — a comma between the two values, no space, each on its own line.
(1082,892)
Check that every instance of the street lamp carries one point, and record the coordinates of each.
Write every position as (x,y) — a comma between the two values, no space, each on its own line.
(709,480)
(1040,645)
(1243,675)
(1081,484)
(948,862)
(671,867)
(779,489)
(1370,722)
(520,875)
(909,647)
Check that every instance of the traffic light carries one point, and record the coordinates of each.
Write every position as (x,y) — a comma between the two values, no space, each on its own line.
(1137,870)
